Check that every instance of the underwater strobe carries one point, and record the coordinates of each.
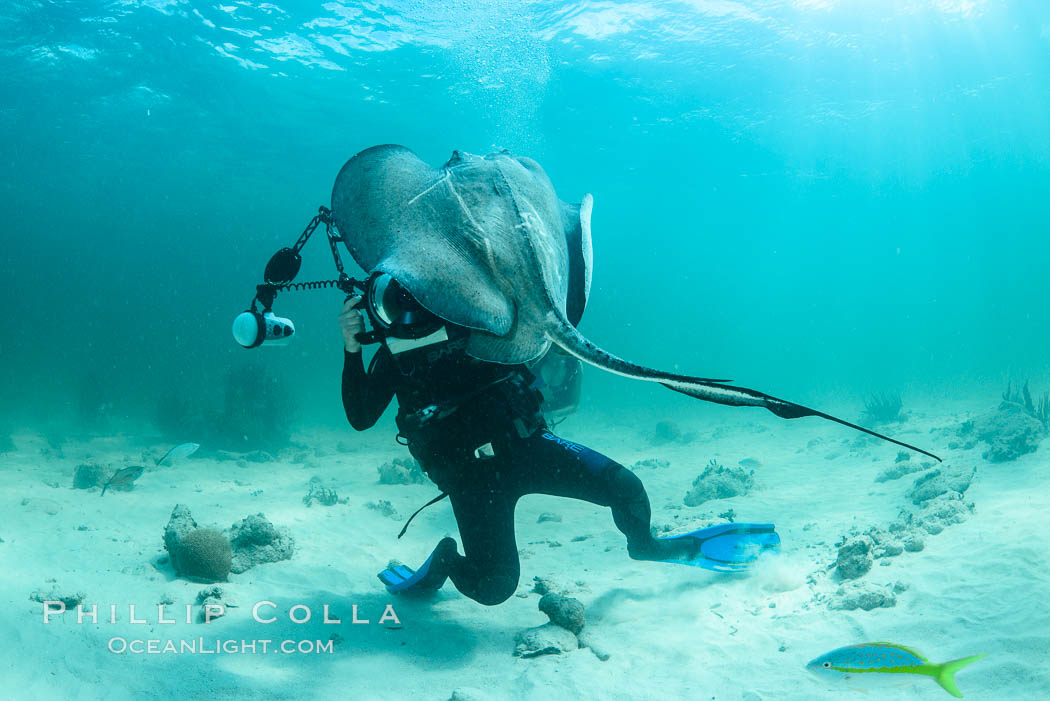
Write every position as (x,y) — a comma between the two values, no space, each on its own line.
(252,329)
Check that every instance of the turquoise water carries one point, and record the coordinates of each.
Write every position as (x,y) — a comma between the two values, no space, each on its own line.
(820,199)
(808,196)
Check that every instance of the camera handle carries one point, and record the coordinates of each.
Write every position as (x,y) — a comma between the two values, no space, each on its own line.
(365,338)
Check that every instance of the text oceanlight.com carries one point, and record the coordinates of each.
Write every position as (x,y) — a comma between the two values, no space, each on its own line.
(202,646)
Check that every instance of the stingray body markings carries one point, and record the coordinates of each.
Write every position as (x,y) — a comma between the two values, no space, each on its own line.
(485,243)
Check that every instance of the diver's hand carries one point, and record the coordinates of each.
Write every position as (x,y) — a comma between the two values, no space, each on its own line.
(351,323)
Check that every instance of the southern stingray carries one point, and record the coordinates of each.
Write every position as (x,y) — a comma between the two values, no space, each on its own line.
(484,243)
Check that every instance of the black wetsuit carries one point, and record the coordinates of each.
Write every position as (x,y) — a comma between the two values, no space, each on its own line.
(450,405)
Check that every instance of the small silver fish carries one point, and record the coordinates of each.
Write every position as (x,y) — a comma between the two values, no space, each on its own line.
(750,463)
(889,663)
(182,450)
(123,476)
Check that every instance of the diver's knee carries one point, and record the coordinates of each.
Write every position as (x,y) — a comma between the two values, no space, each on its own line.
(494,589)
(446,548)
(624,484)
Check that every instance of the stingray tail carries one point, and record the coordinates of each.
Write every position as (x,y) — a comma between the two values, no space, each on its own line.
(566,337)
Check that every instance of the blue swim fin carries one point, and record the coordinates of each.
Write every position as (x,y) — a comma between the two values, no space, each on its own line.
(727,547)
(402,579)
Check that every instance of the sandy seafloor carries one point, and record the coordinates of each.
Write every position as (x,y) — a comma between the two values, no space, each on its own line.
(981,586)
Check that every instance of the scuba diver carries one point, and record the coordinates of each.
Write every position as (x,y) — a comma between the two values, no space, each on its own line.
(479,432)
(488,356)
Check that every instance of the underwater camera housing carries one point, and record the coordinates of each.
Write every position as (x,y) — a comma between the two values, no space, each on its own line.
(394,313)
(395,316)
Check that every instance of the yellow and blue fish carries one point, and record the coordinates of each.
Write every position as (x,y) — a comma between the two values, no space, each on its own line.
(887,662)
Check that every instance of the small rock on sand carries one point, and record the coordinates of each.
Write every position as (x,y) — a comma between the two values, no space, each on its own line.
(401,471)
(934,515)
(256,541)
(563,611)
(180,523)
(650,463)
(69,598)
(914,543)
(203,554)
(547,639)
(665,432)
(1009,432)
(900,469)
(467,693)
(89,475)
(855,557)
(545,585)
(719,482)
(213,604)
(864,596)
(941,480)
(383,507)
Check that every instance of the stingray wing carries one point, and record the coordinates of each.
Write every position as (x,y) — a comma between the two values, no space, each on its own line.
(400,216)
(483,242)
